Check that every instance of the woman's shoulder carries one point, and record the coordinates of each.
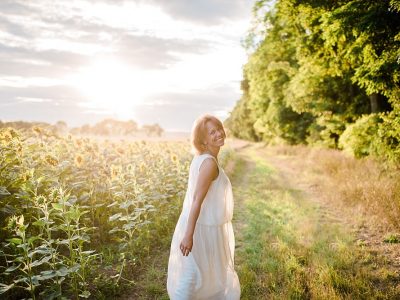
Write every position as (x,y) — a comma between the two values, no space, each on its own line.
(203,156)
(199,159)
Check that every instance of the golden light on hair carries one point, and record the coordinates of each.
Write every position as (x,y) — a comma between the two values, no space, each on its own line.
(198,134)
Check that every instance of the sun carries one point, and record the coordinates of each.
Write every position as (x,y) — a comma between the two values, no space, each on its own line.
(108,85)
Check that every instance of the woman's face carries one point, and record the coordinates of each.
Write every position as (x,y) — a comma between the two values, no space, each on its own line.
(215,135)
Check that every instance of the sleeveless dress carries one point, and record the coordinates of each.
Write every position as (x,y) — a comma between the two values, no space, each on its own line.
(208,271)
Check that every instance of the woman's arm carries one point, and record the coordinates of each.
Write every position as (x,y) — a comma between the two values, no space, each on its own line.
(208,172)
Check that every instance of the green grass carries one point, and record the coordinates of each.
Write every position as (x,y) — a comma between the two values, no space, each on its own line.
(286,246)
(288,249)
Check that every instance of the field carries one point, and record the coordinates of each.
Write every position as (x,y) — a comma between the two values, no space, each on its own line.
(93,218)
(78,215)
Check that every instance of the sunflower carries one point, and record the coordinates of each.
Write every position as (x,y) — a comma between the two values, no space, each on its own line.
(6,136)
(79,160)
(142,167)
(130,168)
(19,148)
(12,222)
(120,151)
(13,132)
(37,130)
(51,160)
(78,142)
(27,175)
(115,171)
(174,158)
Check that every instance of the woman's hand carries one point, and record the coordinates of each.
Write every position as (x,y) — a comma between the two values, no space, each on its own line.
(186,245)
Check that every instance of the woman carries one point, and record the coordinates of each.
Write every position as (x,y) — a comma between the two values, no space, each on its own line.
(201,261)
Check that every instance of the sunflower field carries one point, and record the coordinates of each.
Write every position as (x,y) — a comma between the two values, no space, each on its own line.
(78,214)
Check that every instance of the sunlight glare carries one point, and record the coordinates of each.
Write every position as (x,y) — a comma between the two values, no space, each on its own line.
(109,85)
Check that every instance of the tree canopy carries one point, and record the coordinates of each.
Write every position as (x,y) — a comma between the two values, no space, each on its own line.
(317,68)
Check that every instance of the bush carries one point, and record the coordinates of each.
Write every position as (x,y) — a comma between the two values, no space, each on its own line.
(359,138)
(325,131)
(387,143)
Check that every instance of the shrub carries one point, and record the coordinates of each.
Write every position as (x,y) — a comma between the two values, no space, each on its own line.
(359,137)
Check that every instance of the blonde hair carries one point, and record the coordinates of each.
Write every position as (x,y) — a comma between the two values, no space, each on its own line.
(199,133)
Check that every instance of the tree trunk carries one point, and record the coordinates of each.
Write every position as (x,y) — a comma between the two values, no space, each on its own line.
(379,103)
(374,100)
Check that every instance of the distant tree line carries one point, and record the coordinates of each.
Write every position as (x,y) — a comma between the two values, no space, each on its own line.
(323,73)
(106,127)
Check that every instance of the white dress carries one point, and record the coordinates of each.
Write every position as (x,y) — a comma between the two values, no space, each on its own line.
(208,271)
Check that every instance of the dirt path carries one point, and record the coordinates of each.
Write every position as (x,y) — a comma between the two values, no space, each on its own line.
(367,232)
(290,243)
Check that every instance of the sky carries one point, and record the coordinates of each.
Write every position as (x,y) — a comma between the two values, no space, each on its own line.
(153,61)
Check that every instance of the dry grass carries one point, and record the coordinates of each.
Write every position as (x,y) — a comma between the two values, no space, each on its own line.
(365,185)
(360,182)
(290,247)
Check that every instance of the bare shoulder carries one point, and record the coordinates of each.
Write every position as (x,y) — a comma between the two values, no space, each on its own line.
(209,168)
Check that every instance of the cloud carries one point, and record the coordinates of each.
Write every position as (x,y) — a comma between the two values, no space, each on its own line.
(151,52)
(200,11)
(21,61)
(214,98)
(14,28)
(177,111)
(42,44)
(45,104)
(48,112)
(55,94)
(187,47)
(29,99)
(15,7)
(173,111)
(206,11)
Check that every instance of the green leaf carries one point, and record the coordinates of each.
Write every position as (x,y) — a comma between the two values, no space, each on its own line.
(32,239)
(126,204)
(113,204)
(51,294)
(88,252)
(57,206)
(45,275)
(22,279)
(15,241)
(85,294)
(24,246)
(41,261)
(40,250)
(4,287)
(40,223)
(74,268)
(62,272)
(4,192)
(128,226)
(35,280)
(115,229)
(115,217)
(12,269)
(72,200)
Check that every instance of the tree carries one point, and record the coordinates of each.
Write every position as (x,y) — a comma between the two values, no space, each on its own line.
(317,67)
(153,130)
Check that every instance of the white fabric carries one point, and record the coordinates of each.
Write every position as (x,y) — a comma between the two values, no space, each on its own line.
(208,271)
